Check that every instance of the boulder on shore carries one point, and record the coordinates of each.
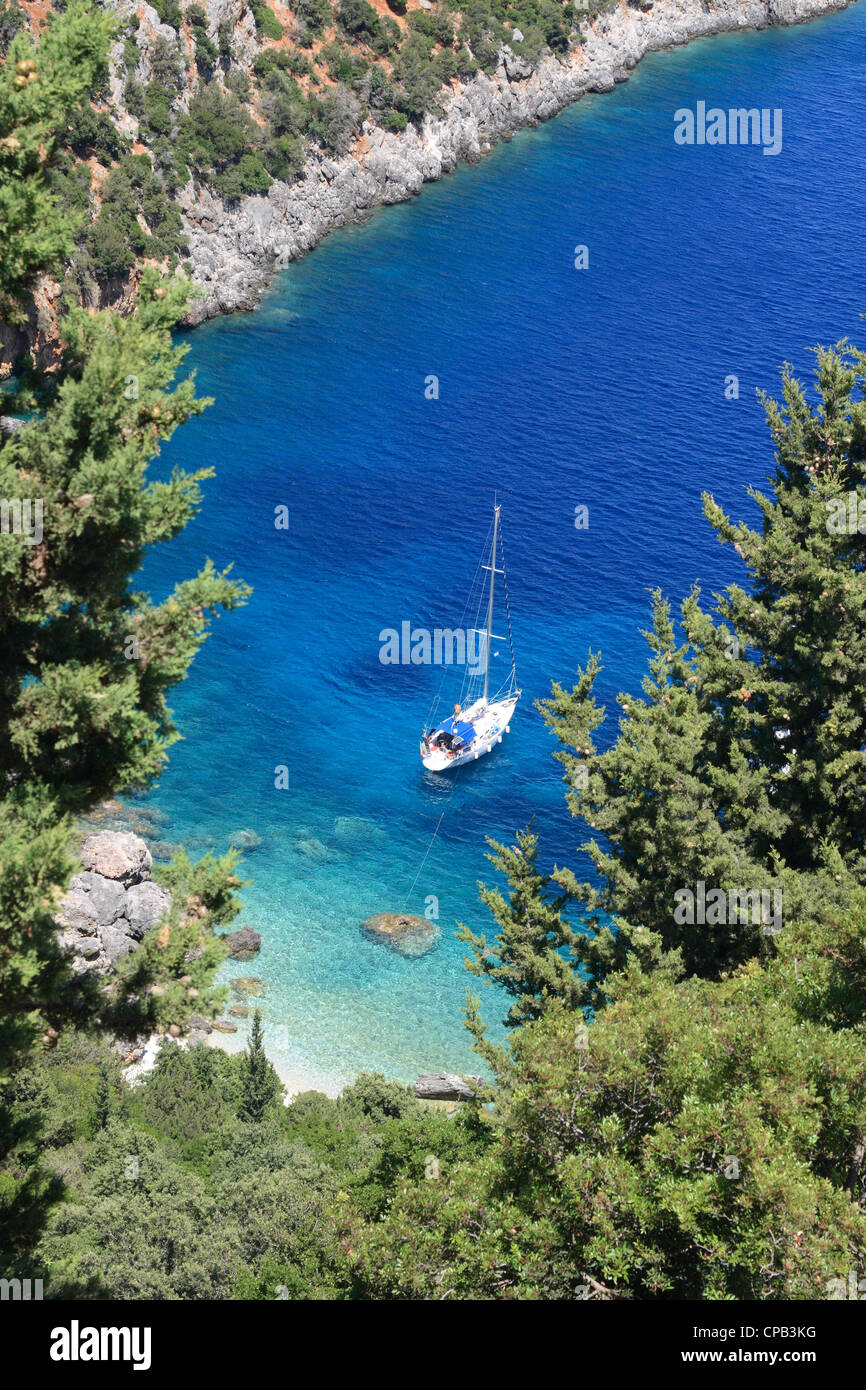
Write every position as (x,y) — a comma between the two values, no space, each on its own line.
(198,1024)
(399,931)
(444,1085)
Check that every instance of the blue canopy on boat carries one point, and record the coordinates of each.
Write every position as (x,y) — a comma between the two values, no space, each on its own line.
(459,729)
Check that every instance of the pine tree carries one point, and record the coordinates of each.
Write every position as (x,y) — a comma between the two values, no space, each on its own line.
(260,1085)
(793,691)
(741,768)
(102,1103)
(536,953)
(85,659)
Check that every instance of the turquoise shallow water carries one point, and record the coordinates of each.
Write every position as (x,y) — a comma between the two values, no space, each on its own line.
(558,388)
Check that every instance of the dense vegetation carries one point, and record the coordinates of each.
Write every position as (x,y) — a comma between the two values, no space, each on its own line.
(681,1111)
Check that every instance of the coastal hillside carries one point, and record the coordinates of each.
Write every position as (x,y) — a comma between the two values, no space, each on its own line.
(224,140)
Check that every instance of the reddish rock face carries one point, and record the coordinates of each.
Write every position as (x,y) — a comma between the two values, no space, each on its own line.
(116,855)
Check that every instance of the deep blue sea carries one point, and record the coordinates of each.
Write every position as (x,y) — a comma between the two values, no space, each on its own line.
(558,387)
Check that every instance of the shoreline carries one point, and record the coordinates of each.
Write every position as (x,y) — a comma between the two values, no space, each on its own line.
(235,252)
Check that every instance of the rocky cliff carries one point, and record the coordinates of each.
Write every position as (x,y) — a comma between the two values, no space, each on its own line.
(235,250)
(230,137)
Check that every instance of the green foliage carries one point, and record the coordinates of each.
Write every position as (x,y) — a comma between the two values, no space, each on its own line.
(741,766)
(206,52)
(527,959)
(218,139)
(260,1085)
(169,12)
(418,78)
(76,712)
(117,238)
(167,64)
(94,133)
(698,1141)
(68,63)
(267,23)
(157,109)
(361,24)
(34,979)
(134,98)
(334,119)
(315,15)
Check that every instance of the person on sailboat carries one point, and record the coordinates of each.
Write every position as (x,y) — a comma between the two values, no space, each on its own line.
(456,713)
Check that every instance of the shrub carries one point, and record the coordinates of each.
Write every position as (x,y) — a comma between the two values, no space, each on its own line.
(206,53)
(238,83)
(316,15)
(94,133)
(242,179)
(267,23)
(224,40)
(157,109)
(109,248)
(284,156)
(167,66)
(359,20)
(334,119)
(219,139)
(395,120)
(169,12)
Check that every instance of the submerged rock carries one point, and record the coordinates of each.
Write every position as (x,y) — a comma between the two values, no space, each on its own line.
(357,830)
(401,932)
(248,987)
(246,840)
(242,944)
(316,849)
(163,850)
(224,1025)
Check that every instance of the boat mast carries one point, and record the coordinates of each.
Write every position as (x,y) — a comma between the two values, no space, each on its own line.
(490,605)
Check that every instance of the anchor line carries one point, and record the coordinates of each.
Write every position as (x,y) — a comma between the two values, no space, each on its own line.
(423,862)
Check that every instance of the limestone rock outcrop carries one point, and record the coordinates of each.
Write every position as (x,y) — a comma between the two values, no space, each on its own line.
(111,903)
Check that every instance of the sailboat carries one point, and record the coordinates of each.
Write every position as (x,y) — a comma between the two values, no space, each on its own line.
(478,722)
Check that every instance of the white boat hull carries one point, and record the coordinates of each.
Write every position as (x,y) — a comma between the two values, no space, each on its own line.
(490,723)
